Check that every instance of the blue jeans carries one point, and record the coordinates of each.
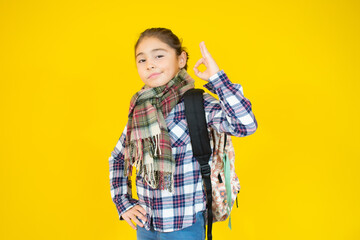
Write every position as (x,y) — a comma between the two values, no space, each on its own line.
(194,232)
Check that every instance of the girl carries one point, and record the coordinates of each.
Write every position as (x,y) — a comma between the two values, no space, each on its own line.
(172,201)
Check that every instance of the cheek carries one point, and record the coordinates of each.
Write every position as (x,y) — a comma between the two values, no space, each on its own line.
(142,75)
(140,71)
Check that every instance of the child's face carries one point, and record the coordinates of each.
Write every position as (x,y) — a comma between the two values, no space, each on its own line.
(155,56)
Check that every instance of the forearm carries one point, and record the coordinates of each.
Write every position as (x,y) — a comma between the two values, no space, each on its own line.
(120,185)
(232,113)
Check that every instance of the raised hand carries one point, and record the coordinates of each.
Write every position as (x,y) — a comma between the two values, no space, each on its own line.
(208,61)
(132,213)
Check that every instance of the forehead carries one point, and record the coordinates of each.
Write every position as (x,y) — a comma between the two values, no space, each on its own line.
(151,44)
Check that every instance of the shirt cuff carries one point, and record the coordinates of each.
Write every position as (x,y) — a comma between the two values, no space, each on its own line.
(125,205)
(216,80)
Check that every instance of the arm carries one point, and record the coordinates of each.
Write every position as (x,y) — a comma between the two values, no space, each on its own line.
(120,185)
(232,113)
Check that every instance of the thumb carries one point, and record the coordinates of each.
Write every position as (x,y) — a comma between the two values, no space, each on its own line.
(198,73)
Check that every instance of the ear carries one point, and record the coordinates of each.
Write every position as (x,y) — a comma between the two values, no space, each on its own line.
(182,59)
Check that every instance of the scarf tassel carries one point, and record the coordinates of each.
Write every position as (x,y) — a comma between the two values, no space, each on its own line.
(136,153)
(157,179)
(155,149)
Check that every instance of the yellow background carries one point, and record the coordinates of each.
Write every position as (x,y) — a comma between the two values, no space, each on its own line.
(67,73)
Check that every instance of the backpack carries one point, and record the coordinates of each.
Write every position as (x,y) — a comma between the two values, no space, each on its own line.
(220,180)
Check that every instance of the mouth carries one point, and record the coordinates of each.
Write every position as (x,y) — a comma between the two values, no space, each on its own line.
(154,75)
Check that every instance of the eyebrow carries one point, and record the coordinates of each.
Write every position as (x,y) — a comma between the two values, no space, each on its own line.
(156,49)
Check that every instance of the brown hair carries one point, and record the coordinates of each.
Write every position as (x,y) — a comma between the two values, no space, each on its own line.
(167,36)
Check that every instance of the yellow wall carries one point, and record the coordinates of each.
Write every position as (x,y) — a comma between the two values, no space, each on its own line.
(67,73)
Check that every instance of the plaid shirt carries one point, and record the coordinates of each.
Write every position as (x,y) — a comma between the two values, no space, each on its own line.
(232,114)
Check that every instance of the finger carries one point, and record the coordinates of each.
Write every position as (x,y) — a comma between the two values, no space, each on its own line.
(141,216)
(136,220)
(199,62)
(204,50)
(141,209)
(198,73)
(127,219)
(201,49)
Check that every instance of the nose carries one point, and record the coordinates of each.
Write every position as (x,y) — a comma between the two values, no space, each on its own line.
(150,64)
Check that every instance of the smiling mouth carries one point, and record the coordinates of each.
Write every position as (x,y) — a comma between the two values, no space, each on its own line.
(154,75)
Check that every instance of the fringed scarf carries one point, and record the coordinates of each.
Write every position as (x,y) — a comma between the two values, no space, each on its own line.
(147,144)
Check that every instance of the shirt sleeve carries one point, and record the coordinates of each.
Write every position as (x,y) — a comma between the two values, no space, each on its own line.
(232,112)
(120,185)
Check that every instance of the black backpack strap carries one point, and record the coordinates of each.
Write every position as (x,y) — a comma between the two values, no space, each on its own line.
(200,142)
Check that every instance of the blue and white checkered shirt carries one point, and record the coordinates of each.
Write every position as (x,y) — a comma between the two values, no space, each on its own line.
(232,114)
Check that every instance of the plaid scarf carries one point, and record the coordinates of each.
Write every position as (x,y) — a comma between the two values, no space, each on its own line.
(147,144)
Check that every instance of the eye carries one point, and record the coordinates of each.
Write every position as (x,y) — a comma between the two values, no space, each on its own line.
(143,60)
